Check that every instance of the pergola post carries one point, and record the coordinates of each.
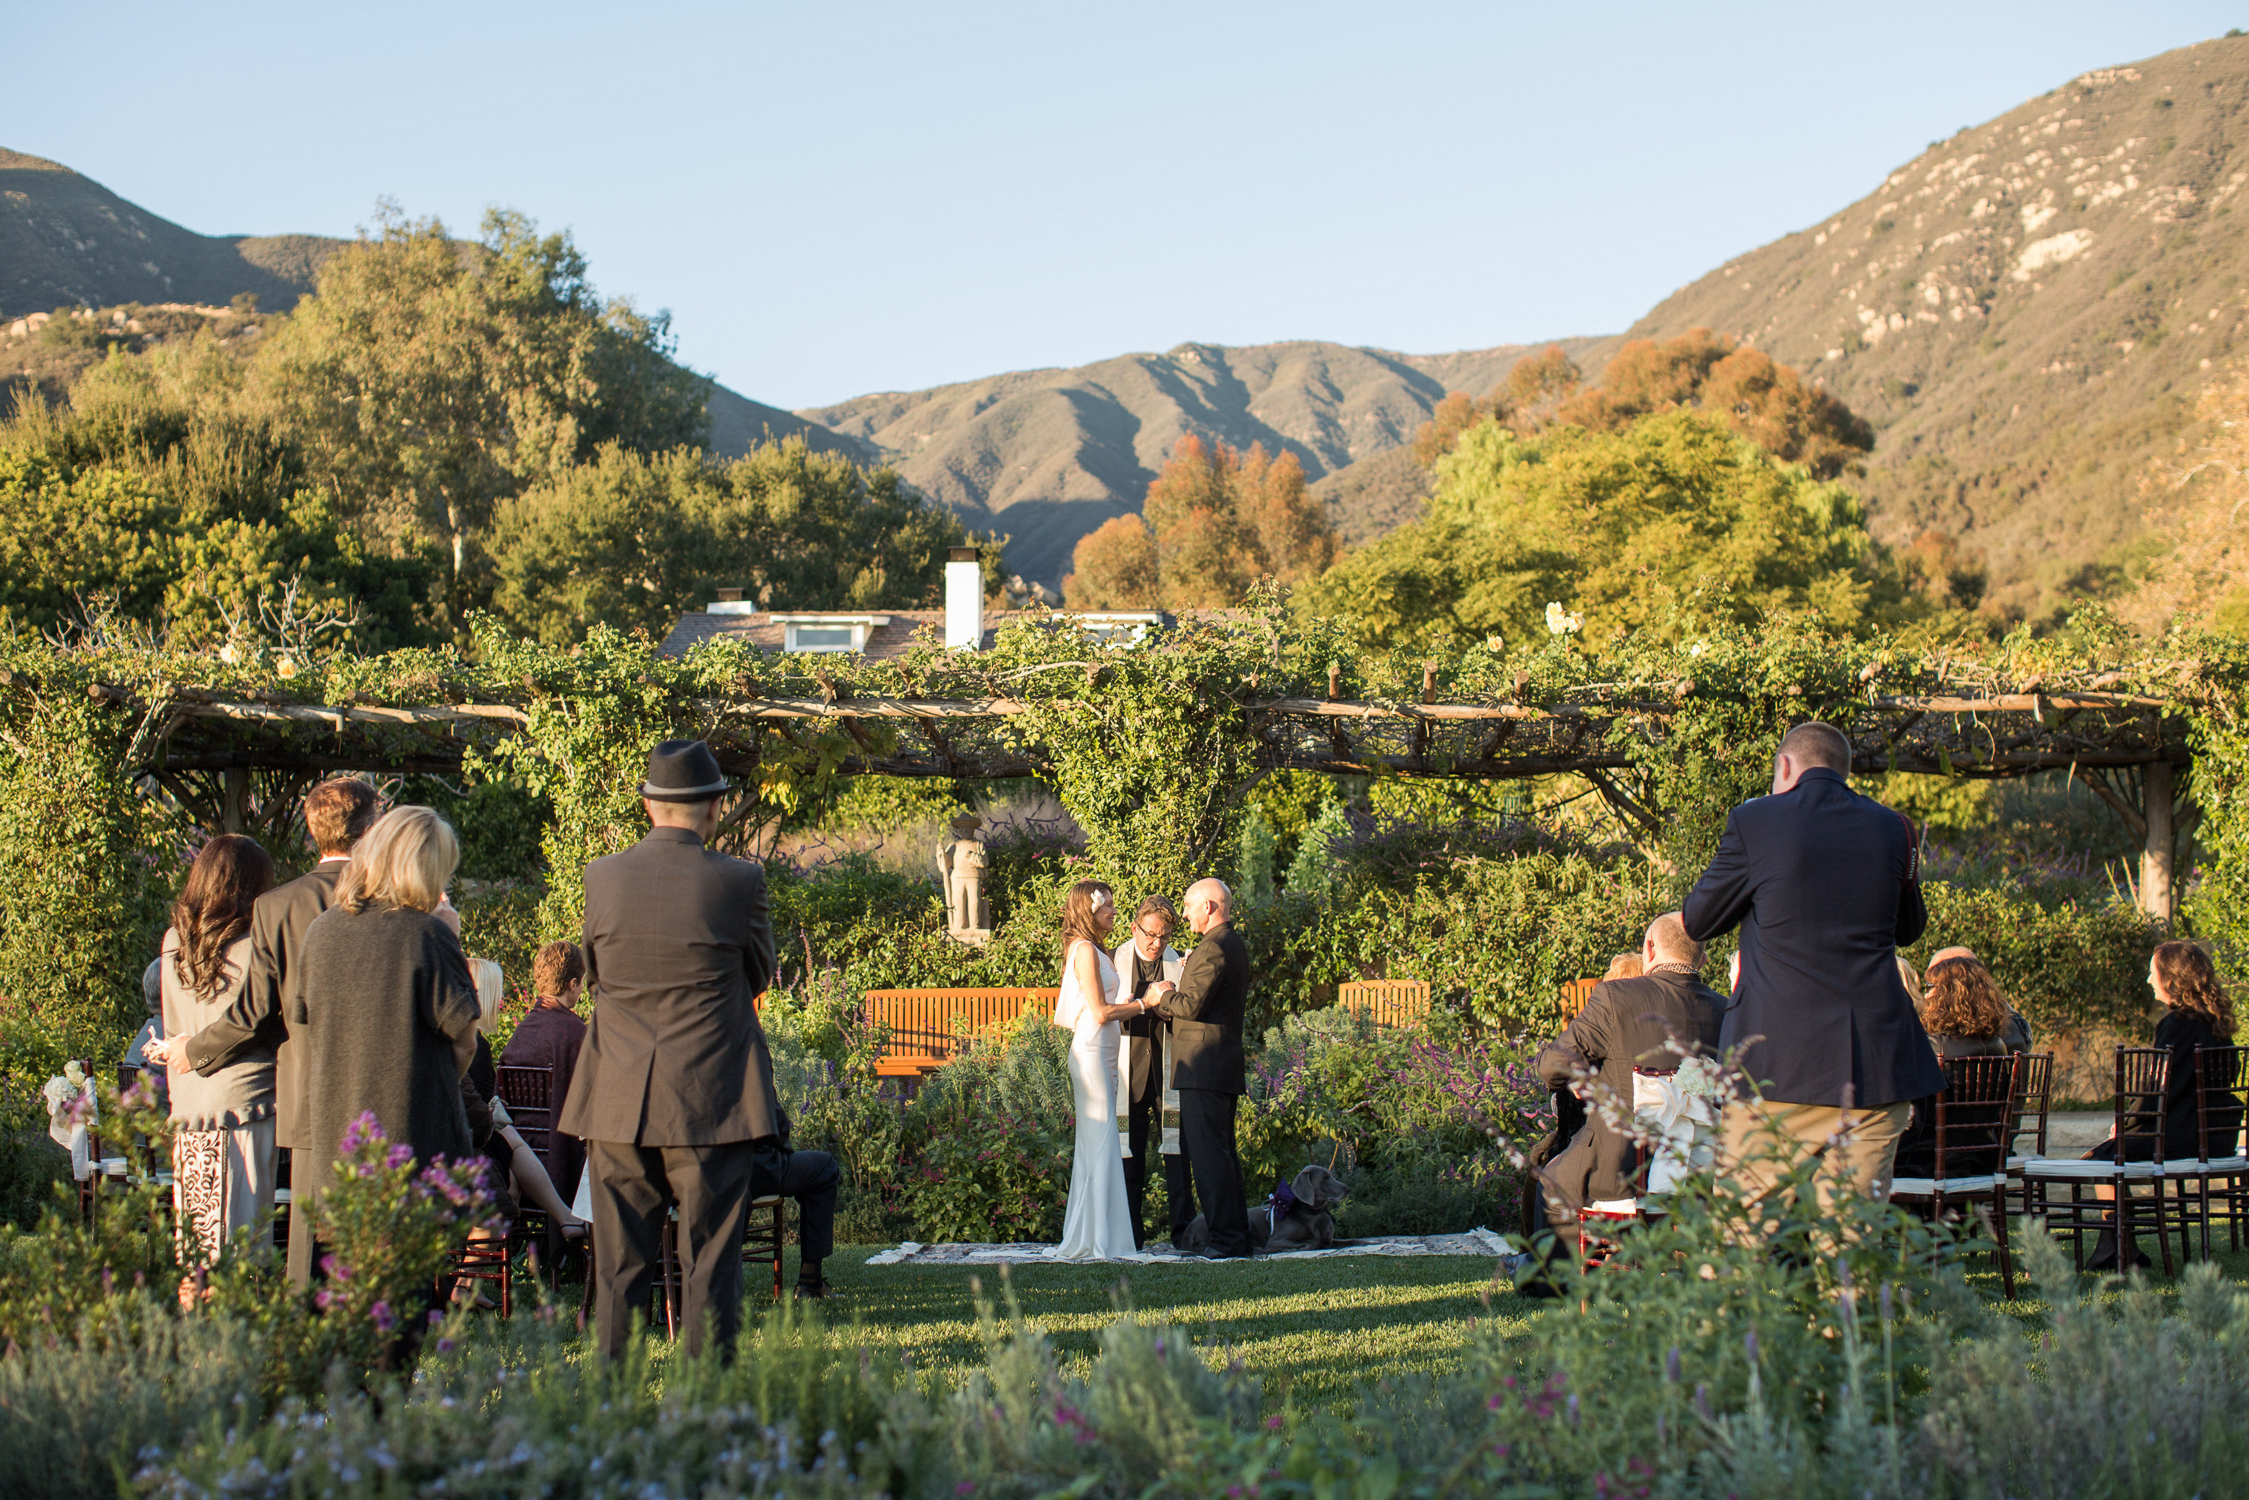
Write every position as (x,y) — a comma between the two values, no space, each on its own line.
(234,800)
(2157,847)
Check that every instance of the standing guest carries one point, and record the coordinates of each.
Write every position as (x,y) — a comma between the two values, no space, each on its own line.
(1152,961)
(2197,1013)
(337,813)
(1205,1011)
(674,1090)
(1823,884)
(223,1152)
(1634,1022)
(386,1009)
(549,1036)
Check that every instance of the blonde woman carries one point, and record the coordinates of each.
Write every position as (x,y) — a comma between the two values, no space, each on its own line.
(1098,1223)
(386,1008)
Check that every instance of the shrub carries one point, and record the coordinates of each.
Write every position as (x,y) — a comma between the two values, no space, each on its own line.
(2068,968)
(988,1140)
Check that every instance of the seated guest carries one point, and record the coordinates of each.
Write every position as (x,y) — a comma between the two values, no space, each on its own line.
(549,1036)
(2198,1014)
(152,1031)
(1910,977)
(1965,1016)
(1625,966)
(2017,1032)
(223,1151)
(386,1008)
(1626,1022)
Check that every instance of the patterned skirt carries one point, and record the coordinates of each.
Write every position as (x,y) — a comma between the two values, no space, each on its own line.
(222,1181)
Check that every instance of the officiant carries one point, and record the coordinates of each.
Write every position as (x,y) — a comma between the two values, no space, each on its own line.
(1152,1103)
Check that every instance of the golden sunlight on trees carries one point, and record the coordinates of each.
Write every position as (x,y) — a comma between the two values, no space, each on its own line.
(1767,403)
(1524,401)
(1674,519)
(1215,521)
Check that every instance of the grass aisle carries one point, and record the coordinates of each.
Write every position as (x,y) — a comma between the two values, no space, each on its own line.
(1313,1330)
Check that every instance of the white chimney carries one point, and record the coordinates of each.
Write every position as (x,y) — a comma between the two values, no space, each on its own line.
(964,599)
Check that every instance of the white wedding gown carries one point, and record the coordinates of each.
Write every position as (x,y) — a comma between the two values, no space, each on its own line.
(1098,1223)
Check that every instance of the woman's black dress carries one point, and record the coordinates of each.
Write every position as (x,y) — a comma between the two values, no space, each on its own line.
(2181,1031)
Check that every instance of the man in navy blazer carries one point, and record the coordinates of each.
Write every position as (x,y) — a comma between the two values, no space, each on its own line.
(1823,884)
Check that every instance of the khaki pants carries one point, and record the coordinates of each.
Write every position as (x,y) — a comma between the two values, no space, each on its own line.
(1763,1140)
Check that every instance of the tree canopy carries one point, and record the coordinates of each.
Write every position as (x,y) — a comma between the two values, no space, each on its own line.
(1671,518)
(428,380)
(632,540)
(1215,522)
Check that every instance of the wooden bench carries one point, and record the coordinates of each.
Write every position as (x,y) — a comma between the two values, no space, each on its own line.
(1387,1002)
(1574,995)
(928,1027)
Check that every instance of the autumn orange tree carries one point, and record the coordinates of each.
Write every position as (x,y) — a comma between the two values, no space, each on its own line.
(1525,400)
(1215,521)
(1767,402)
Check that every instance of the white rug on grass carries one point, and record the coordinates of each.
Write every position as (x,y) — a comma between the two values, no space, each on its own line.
(1477,1241)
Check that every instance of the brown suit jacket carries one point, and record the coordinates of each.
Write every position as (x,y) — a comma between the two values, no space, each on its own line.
(259,1017)
(1624,1022)
(678,947)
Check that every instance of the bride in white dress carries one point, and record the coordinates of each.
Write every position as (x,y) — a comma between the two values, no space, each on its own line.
(1098,1224)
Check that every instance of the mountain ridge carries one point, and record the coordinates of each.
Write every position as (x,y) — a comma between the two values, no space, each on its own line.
(1050,454)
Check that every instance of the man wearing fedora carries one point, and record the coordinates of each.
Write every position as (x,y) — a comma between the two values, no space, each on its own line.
(673,1095)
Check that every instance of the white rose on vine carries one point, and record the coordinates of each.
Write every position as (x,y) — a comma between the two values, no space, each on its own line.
(1561,622)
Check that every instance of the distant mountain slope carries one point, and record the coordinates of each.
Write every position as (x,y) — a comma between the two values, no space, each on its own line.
(739,424)
(2024,311)
(67,240)
(1048,455)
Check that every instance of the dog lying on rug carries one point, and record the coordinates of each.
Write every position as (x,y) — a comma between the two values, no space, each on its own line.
(1298,1216)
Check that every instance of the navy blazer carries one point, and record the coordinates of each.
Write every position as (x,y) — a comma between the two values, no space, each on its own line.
(1817,880)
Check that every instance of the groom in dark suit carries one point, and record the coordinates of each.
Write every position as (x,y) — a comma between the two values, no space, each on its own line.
(674,1095)
(1205,1012)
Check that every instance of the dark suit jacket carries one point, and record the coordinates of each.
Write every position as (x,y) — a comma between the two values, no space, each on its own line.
(260,1015)
(1816,878)
(387,1017)
(1626,1021)
(678,948)
(1206,1014)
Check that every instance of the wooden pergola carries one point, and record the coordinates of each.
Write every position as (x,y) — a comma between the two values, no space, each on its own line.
(242,765)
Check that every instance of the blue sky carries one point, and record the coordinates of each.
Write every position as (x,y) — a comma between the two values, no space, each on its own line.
(834,199)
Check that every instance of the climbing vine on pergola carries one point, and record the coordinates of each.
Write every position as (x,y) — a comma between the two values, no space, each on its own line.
(1150,744)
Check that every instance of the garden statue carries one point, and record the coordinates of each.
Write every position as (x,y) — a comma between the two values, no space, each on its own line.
(960,860)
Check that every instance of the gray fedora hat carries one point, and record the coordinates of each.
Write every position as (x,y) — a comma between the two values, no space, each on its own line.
(683,771)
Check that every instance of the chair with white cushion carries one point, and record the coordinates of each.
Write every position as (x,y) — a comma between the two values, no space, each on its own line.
(2031,1107)
(2137,1136)
(1974,1120)
(2212,1185)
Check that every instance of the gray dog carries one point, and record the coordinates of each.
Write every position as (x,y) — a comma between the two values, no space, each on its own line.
(1297,1217)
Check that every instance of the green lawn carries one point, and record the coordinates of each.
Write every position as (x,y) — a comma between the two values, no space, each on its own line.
(1314,1330)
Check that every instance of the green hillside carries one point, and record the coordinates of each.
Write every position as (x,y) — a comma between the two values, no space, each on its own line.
(1048,455)
(2024,312)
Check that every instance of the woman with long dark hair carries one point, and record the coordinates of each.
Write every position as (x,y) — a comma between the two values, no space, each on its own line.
(222,1153)
(2197,1014)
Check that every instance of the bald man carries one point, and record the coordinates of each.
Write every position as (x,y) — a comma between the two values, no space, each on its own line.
(1205,1011)
(1644,1023)
(1824,886)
